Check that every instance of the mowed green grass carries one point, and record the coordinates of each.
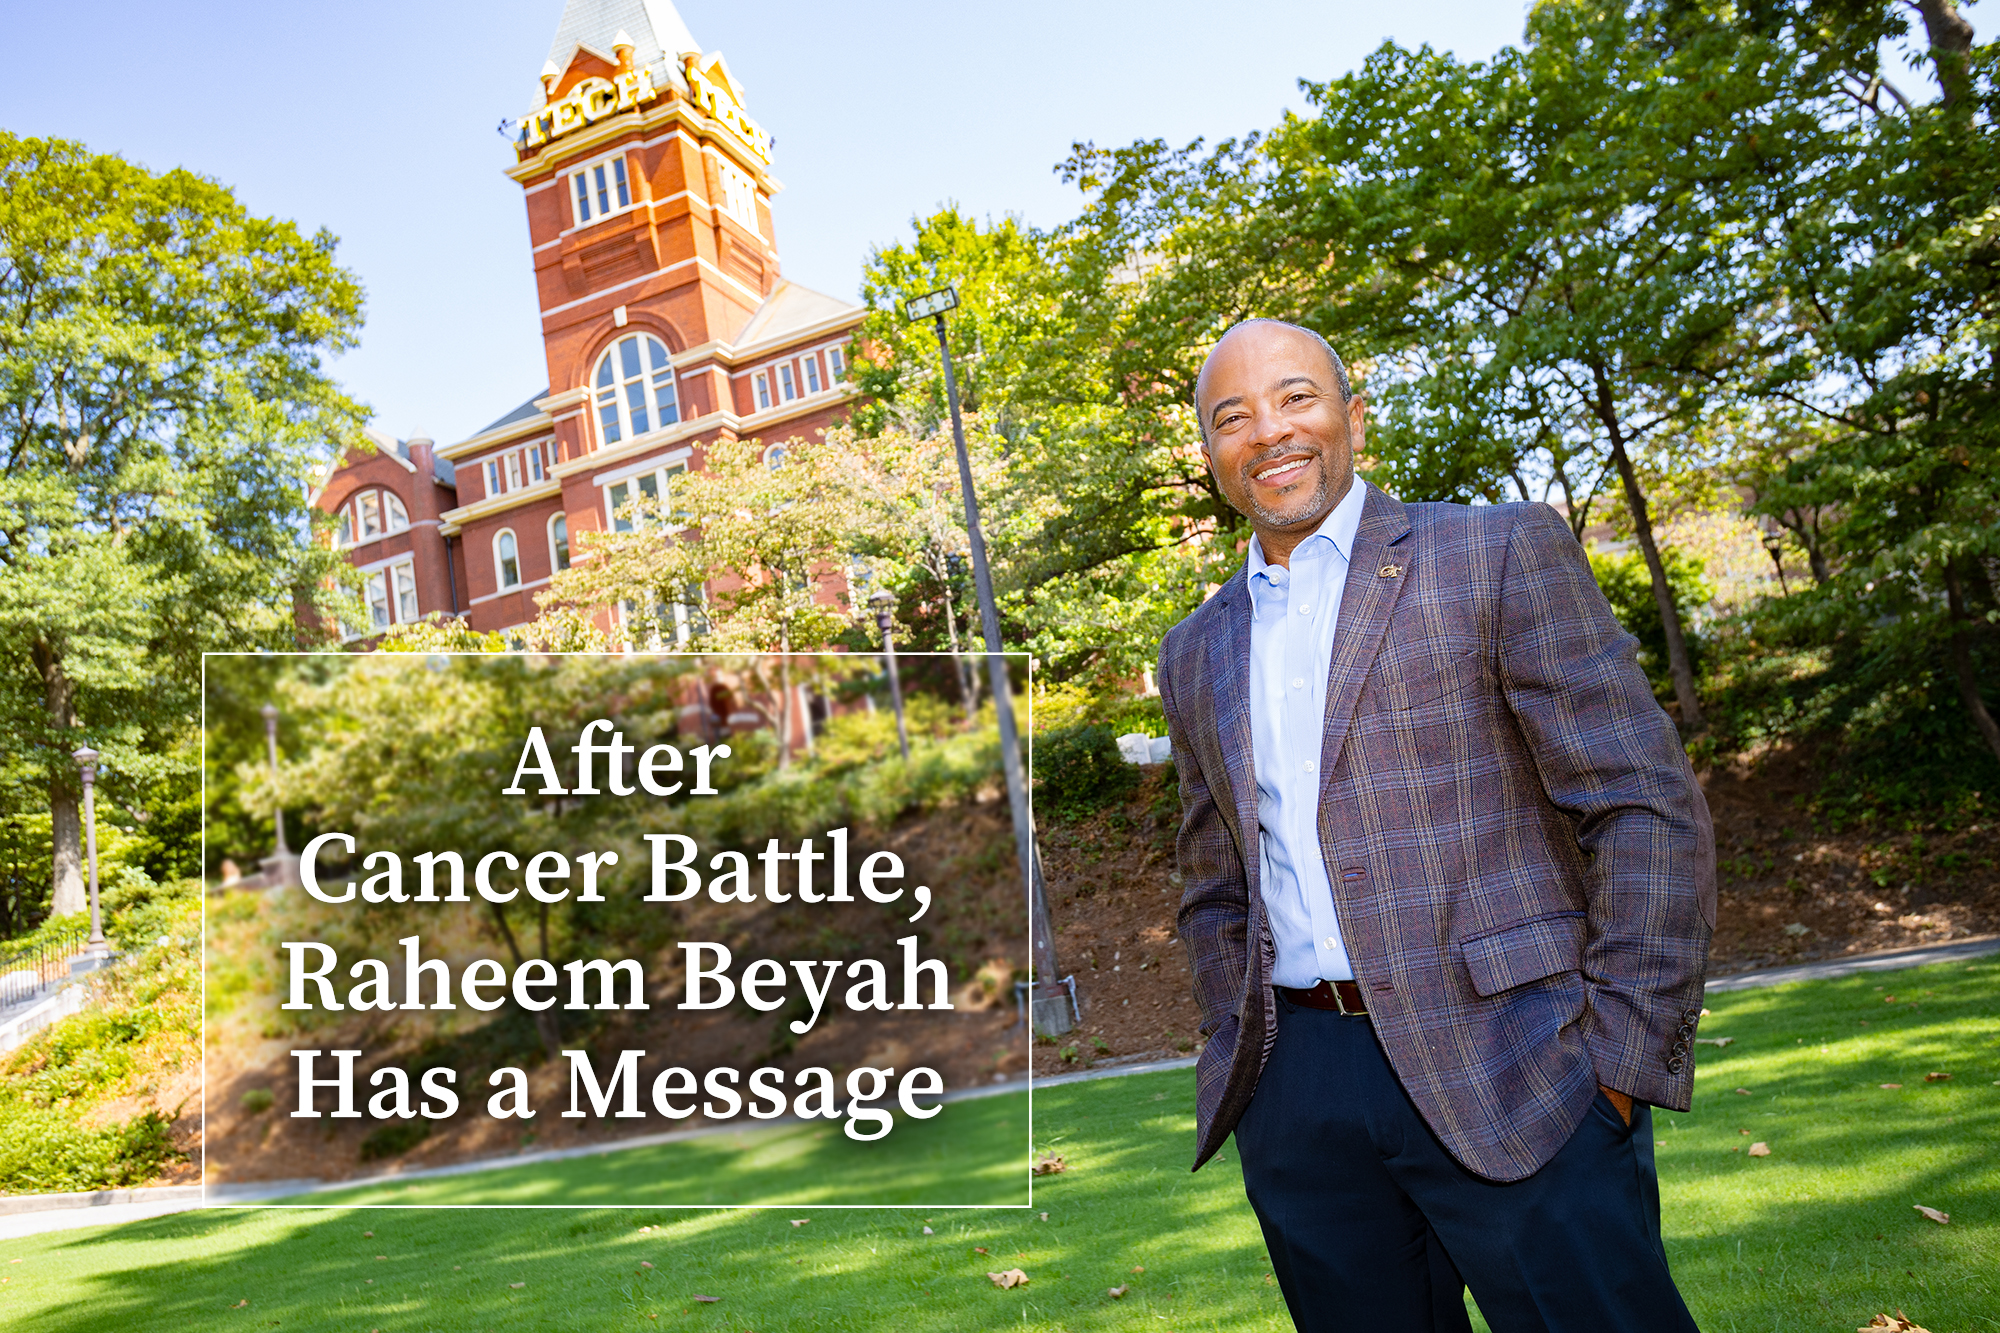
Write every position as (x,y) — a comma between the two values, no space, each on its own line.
(1817,1236)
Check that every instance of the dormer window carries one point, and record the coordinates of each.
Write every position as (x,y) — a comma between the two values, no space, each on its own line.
(599,190)
(634,386)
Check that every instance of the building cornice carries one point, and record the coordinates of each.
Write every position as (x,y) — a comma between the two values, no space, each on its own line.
(455,519)
(676,111)
(486,439)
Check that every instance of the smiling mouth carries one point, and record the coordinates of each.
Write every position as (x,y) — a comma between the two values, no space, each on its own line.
(1282,472)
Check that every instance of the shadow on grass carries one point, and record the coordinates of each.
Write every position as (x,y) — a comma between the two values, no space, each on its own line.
(1819,1235)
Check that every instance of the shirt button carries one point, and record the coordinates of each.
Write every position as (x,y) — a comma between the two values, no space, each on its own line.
(1306,767)
(1331,942)
(1305,608)
(1298,682)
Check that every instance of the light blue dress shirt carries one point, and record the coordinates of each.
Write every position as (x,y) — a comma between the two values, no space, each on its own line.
(1294,613)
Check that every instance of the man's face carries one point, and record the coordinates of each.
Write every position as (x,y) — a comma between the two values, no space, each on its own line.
(1279,439)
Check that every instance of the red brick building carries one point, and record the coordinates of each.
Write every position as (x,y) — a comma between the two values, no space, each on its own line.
(666,323)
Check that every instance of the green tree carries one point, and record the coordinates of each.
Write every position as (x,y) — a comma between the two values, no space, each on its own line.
(162,407)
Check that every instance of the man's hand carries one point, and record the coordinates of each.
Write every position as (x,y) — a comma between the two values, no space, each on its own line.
(1619,1100)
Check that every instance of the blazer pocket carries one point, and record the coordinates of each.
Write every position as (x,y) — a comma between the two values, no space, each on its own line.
(1516,955)
(1402,694)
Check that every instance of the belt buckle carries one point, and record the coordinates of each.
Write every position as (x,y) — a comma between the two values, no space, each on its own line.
(1340,1001)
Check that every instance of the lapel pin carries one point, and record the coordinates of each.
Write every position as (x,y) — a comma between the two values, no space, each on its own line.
(1390,571)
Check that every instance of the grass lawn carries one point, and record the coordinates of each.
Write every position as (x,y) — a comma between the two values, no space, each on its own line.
(1817,1236)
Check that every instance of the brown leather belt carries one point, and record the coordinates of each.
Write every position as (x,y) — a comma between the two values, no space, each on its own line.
(1342,997)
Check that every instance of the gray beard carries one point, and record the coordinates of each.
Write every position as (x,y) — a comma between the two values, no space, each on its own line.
(1301,510)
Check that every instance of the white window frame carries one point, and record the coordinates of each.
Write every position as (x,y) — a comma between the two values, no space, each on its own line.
(403,592)
(375,593)
(558,547)
(652,381)
(343,526)
(836,363)
(620,492)
(496,477)
(760,388)
(368,515)
(500,580)
(739,195)
(617,175)
(788,382)
(395,517)
(815,380)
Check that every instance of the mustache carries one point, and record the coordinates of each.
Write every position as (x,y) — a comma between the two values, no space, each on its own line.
(1276,452)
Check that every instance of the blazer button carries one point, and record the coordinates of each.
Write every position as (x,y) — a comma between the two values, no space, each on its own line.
(1686,1031)
(1673,1064)
(1680,1048)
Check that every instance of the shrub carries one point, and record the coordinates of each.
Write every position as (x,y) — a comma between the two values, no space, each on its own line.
(1078,770)
(1628,586)
(49,1152)
(258,1100)
(394,1139)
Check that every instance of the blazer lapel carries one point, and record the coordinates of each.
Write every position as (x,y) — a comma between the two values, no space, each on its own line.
(1365,604)
(1229,670)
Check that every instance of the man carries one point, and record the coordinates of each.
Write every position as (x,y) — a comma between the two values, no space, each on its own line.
(1450,884)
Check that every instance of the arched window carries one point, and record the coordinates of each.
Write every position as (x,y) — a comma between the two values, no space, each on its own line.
(635,389)
(343,526)
(393,511)
(774,456)
(559,542)
(507,559)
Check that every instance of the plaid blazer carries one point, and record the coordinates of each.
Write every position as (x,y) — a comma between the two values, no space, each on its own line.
(1522,863)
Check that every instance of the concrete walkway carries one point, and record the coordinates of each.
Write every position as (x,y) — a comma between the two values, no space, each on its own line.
(27,1215)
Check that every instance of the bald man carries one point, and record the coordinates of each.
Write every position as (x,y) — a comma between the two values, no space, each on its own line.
(1450,884)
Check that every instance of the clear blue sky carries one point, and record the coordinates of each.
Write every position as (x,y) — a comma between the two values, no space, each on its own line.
(376,121)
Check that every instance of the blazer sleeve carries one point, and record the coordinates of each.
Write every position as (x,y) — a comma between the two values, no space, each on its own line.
(1609,757)
(1215,905)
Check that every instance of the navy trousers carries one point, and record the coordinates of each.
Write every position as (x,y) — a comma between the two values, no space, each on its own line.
(1371,1224)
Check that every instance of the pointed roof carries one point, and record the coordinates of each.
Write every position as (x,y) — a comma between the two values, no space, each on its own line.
(792,310)
(658,34)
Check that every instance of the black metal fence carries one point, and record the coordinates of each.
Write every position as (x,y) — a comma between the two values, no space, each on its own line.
(28,970)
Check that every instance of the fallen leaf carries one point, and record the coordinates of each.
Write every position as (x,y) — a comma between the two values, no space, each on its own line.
(1013,1277)
(1891,1087)
(381,1256)
(1138,1268)
(1888,999)
(368,1235)
(1713,1041)
(456,1268)
(1659,1143)
(927,1230)
(1935,1077)
(1941,1218)
(1899,1323)
(707,1300)
(238,1306)
(1760,1150)
(644,1264)
(517,1285)
(1704,1013)
(1116,1293)
(1045,1217)
(1742,1131)
(800,1221)
(1049,1163)
(1742,1092)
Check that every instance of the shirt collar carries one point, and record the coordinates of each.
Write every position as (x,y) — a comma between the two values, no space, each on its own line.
(1338,528)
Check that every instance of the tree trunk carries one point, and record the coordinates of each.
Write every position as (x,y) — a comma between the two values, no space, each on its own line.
(545,1021)
(1678,663)
(1951,43)
(65,787)
(784,695)
(961,668)
(1962,665)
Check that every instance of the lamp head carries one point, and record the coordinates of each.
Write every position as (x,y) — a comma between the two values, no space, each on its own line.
(85,757)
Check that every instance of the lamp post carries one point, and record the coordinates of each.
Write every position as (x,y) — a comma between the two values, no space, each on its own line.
(884,603)
(86,759)
(270,712)
(1052,1004)
(1774,543)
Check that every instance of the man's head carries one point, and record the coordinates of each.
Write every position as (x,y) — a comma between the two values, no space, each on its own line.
(1280,426)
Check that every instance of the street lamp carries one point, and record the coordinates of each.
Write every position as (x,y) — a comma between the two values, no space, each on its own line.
(86,759)
(270,712)
(1052,1006)
(884,603)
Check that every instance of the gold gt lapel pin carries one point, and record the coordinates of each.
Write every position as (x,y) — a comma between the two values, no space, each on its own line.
(1390,571)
